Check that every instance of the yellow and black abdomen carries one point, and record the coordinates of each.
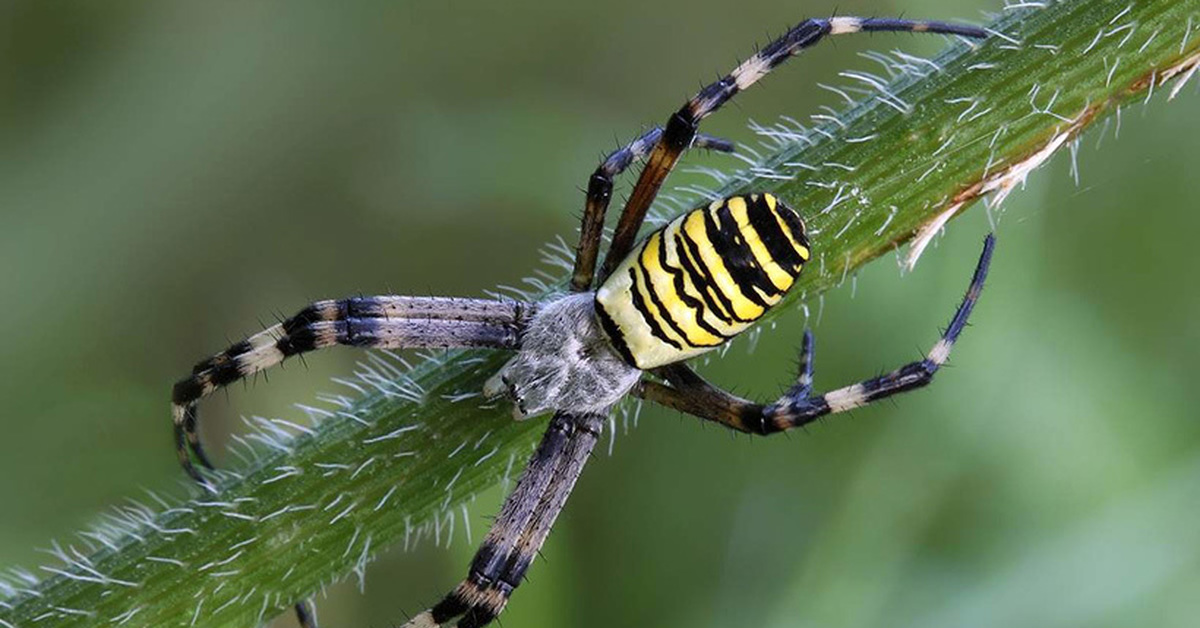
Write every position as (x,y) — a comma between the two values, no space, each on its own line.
(702,279)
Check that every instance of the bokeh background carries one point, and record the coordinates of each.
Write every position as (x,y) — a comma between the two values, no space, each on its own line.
(173,173)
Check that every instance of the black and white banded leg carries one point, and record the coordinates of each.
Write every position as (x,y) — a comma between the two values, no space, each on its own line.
(682,125)
(599,194)
(522,527)
(392,322)
(687,392)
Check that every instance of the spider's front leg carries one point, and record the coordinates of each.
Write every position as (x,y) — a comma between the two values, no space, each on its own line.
(690,393)
(522,526)
(391,322)
(682,126)
(599,194)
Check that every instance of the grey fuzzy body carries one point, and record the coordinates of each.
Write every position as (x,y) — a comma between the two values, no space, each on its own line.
(566,363)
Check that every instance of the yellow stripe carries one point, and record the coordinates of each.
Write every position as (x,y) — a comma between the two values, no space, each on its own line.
(713,318)
(744,308)
(664,286)
(705,291)
(647,298)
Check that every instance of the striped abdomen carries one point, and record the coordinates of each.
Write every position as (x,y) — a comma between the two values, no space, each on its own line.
(702,279)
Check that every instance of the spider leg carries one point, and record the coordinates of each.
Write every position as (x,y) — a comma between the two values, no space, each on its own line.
(385,322)
(522,526)
(306,614)
(682,125)
(599,193)
(687,392)
(381,322)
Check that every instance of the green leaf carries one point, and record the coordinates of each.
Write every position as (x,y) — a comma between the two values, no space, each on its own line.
(394,458)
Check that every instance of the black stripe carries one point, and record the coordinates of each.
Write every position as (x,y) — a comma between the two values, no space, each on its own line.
(305,317)
(362,332)
(703,281)
(794,224)
(680,130)
(907,377)
(186,390)
(680,283)
(736,256)
(518,565)
(301,340)
(313,313)
(231,353)
(771,233)
(363,307)
(615,338)
(477,616)
(872,24)
(210,363)
(225,373)
(711,97)
(488,563)
(238,350)
(753,270)
(662,309)
(699,280)
(640,305)
(450,607)
(802,35)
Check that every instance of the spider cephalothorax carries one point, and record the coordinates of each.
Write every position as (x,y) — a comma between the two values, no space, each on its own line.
(566,363)
(684,289)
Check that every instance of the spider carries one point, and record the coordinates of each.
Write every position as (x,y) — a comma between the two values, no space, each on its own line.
(683,290)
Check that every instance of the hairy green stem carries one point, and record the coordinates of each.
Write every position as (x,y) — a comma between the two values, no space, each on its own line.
(395,457)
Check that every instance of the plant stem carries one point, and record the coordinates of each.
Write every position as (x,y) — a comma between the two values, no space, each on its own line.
(394,461)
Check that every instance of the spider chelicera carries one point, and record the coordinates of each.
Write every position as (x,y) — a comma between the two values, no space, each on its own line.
(683,290)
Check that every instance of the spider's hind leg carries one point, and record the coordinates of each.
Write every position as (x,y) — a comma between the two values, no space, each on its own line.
(687,392)
(521,527)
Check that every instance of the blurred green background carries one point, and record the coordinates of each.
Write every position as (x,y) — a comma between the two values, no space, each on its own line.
(173,173)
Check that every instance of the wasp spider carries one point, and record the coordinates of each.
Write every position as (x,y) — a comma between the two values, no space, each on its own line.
(683,290)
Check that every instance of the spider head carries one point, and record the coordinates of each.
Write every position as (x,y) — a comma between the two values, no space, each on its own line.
(565,363)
